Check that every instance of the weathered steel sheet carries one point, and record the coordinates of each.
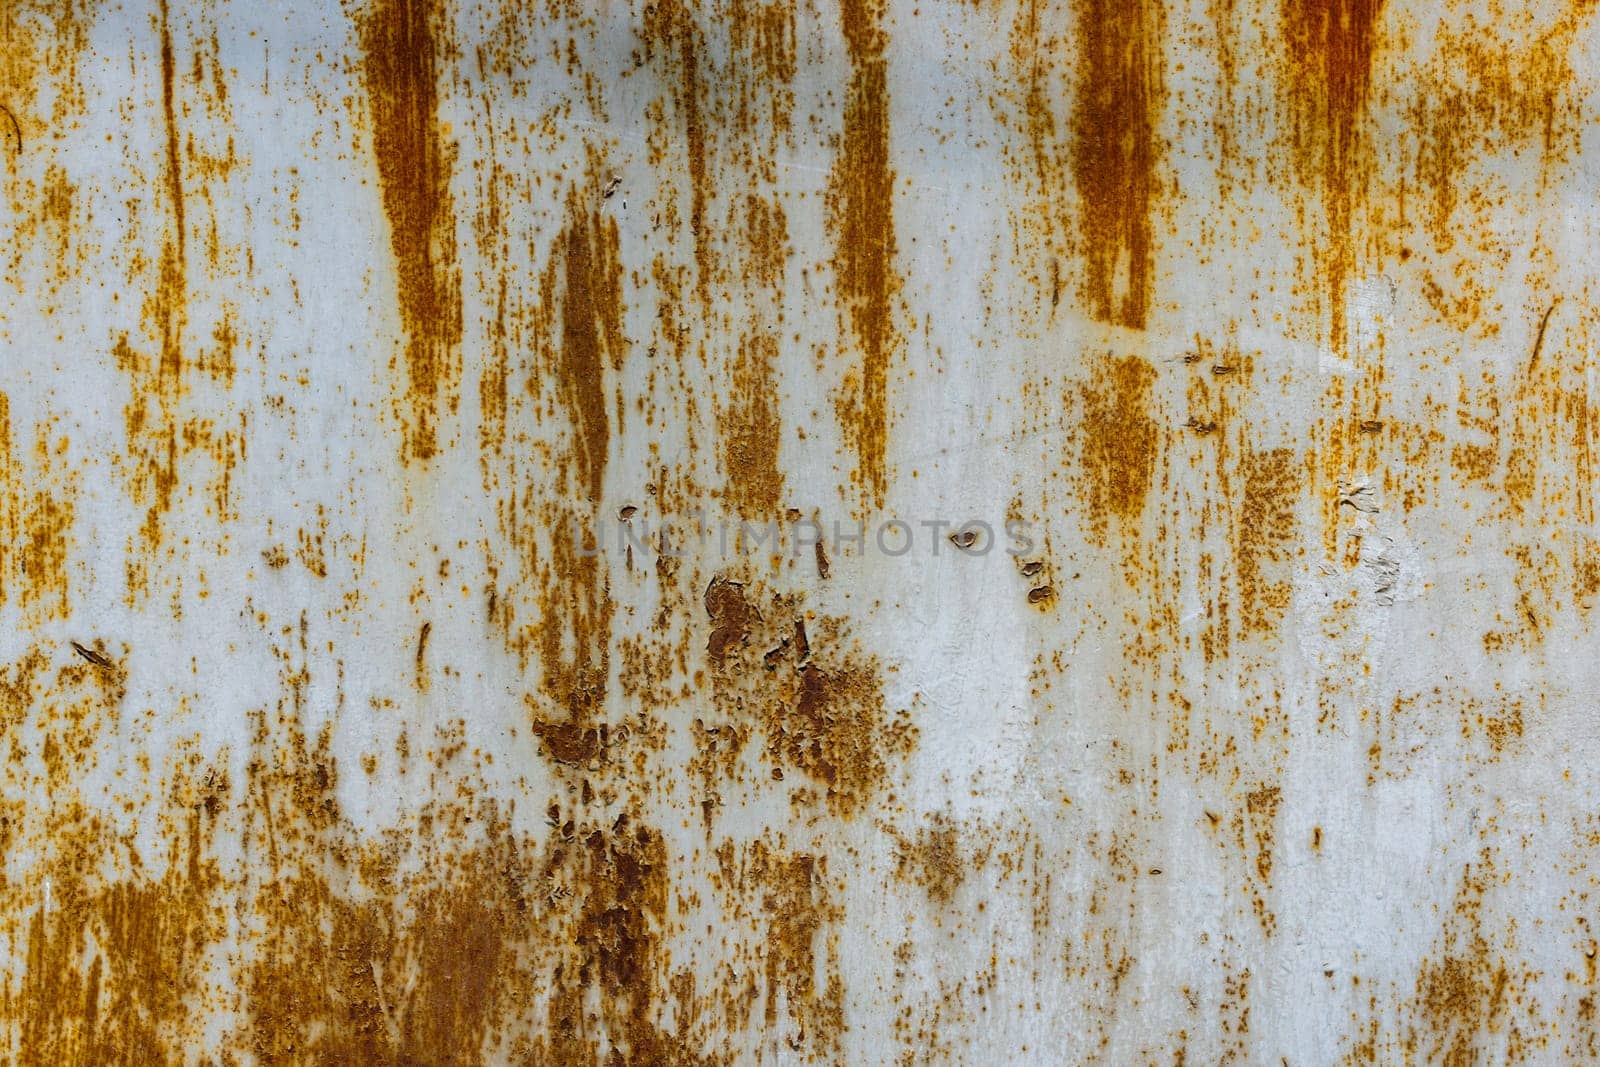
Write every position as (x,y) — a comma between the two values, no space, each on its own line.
(396,665)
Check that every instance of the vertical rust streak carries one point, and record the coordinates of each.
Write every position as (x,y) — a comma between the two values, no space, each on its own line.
(414,171)
(169,109)
(862,202)
(580,333)
(591,336)
(672,24)
(694,129)
(1331,45)
(9,489)
(1114,151)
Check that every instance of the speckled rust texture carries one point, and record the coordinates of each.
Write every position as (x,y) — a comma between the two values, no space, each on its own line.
(395,396)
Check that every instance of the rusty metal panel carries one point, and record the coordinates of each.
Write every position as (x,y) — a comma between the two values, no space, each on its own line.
(851,532)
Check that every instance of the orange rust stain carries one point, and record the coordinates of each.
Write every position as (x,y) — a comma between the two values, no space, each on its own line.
(352,958)
(578,332)
(1330,46)
(614,947)
(112,971)
(933,858)
(1538,449)
(162,424)
(672,24)
(41,45)
(493,403)
(1471,997)
(1115,150)
(1258,493)
(548,582)
(571,743)
(174,167)
(109,961)
(1121,444)
(751,427)
(582,332)
(762,47)
(36,520)
(1040,48)
(750,421)
(1256,828)
(400,57)
(1487,93)
(836,732)
(424,677)
(730,118)
(1263,533)
(788,893)
(861,202)
(403,974)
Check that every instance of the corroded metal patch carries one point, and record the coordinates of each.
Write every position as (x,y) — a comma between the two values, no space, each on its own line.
(812,533)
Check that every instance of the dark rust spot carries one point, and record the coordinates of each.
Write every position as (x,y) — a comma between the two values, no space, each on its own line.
(730,616)
(94,657)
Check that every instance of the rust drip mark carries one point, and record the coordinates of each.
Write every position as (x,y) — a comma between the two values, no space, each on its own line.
(1039,50)
(158,474)
(676,28)
(1121,443)
(750,431)
(861,215)
(493,398)
(797,949)
(578,332)
(41,43)
(730,116)
(585,281)
(1115,151)
(160,427)
(1330,51)
(1540,450)
(174,166)
(751,423)
(399,61)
